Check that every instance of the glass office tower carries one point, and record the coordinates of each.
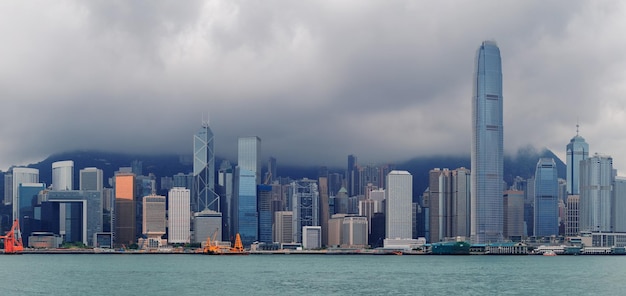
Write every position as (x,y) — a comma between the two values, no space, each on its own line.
(487,146)
(577,150)
(204,171)
(546,198)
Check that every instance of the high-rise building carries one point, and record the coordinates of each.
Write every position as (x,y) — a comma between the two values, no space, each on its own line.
(246,221)
(354,232)
(90,179)
(449,203)
(179,218)
(29,193)
(596,179)
(207,223)
(572,216)
(249,156)
(204,170)
(77,214)
(63,175)
(513,215)
(577,150)
(352,176)
(487,146)
(8,189)
(154,216)
(324,210)
(264,193)
(305,201)
(399,201)
(283,227)
(22,175)
(546,198)
(125,210)
(226,187)
(247,177)
(619,204)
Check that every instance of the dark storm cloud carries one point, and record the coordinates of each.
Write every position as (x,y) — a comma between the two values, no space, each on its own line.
(316,80)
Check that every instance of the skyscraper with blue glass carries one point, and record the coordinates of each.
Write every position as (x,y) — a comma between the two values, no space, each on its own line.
(247,177)
(487,146)
(577,150)
(546,198)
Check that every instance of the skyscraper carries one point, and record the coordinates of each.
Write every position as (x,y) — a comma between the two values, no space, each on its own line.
(22,175)
(305,201)
(247,177)
(546,198)
(399,201)
(125,206)
(179,219)
(596,179)
(487,146)
(249,156)
(63,175)
(204,170)
(577,150)
(90,179)
(352,176)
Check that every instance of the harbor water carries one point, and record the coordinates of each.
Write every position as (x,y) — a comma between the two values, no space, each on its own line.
(64,274)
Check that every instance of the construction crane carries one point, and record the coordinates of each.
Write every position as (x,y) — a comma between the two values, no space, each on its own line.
(13,240)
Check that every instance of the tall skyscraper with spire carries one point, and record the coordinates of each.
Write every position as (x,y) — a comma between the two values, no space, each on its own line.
(204,170)
(577,150)
(487,146)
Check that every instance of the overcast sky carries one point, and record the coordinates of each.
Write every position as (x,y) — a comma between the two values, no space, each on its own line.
(315,80)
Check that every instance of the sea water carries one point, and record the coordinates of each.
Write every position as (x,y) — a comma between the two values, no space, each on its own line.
(100,274)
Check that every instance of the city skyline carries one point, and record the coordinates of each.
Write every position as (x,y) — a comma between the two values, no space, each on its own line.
(76,68)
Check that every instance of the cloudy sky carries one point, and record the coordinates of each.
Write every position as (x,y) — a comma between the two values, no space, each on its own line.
(316,80)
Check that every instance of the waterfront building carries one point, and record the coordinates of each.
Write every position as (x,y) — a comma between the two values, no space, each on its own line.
(377,237)
(487,146)
(311,237)
(247,177)
(154,216)
(513,215)
(74,214)
(619,205)
(354,232)
(596,179)
(546,205)
(207,223)
(179,218)
(124,215)
(21,175)
(335,224)
(305,201)
(29,193)
(63,175)
(283,227)
(398,202)
(572,215)
(204,170)
(449,203)
(577,150)
(90,179)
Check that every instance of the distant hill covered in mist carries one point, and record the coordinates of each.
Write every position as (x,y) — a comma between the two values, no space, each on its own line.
(520,164)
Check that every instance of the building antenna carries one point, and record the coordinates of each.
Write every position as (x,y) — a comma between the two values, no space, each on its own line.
(205,123)
(577,125)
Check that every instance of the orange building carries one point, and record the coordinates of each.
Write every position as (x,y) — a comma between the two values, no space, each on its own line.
(125,212)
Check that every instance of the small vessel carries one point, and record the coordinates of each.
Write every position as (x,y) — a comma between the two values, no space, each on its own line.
(549,253)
